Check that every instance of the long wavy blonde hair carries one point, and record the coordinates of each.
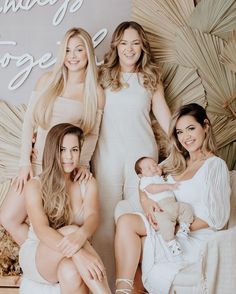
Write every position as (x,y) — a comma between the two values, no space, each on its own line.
(109,72)
(176,161)
(44,106)
(56,202)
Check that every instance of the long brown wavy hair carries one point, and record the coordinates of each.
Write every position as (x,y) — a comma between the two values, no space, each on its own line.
(56,202)
(109,72)
(176,161)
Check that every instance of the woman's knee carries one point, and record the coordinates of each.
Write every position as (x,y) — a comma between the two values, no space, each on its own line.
(131,223)
(7,219)
(12,211)
(68,274)
(126,222)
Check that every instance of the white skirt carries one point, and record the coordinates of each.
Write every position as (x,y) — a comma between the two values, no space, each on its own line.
(159,266)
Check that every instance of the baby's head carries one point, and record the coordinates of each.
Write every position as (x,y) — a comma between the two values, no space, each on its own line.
(147,167)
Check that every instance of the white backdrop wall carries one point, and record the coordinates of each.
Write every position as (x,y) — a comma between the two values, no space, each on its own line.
(30,31)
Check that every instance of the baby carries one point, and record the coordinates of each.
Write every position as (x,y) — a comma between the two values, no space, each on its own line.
(157,189)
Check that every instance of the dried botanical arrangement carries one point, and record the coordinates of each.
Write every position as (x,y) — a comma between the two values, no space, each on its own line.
(9,265)
(196,48)
(11,118)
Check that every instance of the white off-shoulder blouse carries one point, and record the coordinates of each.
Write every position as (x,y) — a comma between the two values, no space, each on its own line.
(208,192)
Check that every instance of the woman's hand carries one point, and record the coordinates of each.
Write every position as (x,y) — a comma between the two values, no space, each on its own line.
(83,174)
(25,174)
(72,243)
(92,265)
(149,207)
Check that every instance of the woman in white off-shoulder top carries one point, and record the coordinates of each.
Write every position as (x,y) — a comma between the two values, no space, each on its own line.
(203,183)
(70,93)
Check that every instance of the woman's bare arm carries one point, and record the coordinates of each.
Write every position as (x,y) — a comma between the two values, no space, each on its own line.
(77,239)
(160,108)
(37,216)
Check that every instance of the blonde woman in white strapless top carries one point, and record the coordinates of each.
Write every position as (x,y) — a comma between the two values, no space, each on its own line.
(133,88)
(63,216)
(69,93)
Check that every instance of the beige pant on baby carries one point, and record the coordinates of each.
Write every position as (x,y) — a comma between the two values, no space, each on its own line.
(173,212)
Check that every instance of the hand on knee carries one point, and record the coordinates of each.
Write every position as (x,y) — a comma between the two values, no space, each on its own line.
(126,224)
(89,266)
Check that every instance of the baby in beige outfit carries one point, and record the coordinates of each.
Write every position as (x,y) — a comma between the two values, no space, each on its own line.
(159,190)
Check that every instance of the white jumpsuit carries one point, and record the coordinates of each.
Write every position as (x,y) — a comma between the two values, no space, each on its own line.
(126,134)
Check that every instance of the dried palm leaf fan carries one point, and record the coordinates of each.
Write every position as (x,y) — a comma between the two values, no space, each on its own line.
(200,50)
(174,42)
(228,153)
(222,124)
(4,187)
(217,17)
(161,19)
(182,85)
(11,118)
(220,19)
(228,55)
(224,129)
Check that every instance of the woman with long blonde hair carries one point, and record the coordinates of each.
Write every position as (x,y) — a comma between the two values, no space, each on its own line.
(132,82)
(70,93)
(63,216)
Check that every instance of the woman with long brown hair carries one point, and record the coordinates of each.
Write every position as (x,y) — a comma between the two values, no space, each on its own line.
(203,183)
(63,216)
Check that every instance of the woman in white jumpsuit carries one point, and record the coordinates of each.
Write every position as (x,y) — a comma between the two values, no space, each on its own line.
(131,80)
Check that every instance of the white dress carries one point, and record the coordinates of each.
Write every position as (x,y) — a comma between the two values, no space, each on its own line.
(32,281)
(208,192)
(126,134)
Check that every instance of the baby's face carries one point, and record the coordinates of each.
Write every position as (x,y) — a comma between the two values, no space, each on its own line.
(150,168)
